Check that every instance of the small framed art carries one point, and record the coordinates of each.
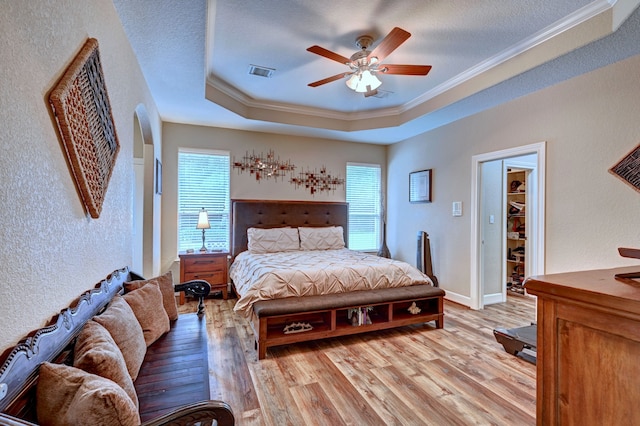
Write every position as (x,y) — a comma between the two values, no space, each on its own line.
(420,186)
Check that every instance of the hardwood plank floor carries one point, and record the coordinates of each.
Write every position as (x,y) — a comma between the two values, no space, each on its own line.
(415,375)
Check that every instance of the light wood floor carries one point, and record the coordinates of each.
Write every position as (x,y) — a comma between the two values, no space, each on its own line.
(416,375)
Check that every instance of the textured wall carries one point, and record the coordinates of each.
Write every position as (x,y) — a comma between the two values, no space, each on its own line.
(51,250)
(588,122)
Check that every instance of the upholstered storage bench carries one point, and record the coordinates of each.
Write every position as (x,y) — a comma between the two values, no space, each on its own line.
(171,385)
(282,321)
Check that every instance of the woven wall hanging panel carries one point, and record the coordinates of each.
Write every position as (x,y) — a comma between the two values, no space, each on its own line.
(628,169)
(81,107)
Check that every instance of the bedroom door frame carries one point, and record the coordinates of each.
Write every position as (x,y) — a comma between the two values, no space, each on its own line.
(537,232)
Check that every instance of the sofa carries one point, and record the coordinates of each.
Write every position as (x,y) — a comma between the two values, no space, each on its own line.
(121,354)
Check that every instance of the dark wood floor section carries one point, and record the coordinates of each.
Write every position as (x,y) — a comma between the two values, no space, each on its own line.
(416,375)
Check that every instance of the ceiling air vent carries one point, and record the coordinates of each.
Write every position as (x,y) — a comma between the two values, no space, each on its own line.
(261,71)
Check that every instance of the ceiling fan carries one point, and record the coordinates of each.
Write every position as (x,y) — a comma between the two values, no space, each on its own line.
(365,64)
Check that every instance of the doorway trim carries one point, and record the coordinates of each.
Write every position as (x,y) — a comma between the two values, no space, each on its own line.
(537,268)
(146,203)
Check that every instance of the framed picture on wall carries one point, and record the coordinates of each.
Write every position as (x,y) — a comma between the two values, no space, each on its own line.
(420,186)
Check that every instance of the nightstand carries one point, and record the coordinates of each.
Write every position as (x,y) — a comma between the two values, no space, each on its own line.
(209,266)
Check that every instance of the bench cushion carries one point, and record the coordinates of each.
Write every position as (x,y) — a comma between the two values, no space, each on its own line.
(69,396)
(146,304)
(123,326)
(95,352)
(165,282)
(291,305)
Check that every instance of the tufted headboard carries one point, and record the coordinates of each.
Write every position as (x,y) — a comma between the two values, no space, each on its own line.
(274,213)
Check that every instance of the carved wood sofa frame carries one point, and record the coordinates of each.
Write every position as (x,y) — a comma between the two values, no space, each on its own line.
(54,343)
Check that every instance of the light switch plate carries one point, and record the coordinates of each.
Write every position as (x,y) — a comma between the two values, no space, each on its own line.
(457,208)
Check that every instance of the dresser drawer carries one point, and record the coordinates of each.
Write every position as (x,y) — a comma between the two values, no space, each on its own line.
(204,264)
(212,277)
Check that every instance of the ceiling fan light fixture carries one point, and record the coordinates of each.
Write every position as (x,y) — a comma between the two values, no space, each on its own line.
(365,63)
(363,81)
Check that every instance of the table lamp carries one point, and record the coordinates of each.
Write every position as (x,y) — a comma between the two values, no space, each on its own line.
(203,223)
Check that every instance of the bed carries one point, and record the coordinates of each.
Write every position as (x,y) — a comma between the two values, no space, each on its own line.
(296,281)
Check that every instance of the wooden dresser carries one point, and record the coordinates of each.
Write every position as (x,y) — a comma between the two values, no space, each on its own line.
(588,357)
(209,266)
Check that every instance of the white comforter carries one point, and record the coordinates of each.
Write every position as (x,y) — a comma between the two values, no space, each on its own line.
(308,273)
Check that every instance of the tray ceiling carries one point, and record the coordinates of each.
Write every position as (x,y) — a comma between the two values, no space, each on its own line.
(196,58)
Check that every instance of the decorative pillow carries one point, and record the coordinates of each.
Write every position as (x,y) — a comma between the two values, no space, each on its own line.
(125,329)
(95,352)
(324,238)
(146,304)
(69,396)
(166,287)
(273,240)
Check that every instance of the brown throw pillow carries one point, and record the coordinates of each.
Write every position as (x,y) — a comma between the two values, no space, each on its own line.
(69,396)
(146,304)
(125,329)
(166,287)
(95,352)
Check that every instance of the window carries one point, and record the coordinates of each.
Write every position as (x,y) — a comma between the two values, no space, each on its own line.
(203,181)
(365,209)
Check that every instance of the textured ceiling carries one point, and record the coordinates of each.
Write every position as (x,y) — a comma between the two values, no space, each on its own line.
(195,56)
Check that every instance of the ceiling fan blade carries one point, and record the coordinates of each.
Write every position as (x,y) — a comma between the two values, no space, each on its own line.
(405,69)
(328,54)
(329,79)
(395,38)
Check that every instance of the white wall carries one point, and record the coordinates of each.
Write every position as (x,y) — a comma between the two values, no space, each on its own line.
(51,250)
(589,123)
(303,152)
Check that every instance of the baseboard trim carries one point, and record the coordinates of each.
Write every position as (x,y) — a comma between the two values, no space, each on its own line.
(458,298)
(489,299)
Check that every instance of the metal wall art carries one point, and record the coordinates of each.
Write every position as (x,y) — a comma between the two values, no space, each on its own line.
(264,167)
(317,182)
(82,111)
(270,166)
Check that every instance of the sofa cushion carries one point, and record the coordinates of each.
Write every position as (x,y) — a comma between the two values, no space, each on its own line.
(166,287)
(95,352)
(146,304)
(69,396)
(126,331)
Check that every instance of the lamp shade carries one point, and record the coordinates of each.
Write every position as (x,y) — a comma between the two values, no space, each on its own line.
(203,220)
(363,81)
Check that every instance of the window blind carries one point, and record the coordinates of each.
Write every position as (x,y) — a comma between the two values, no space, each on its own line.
(365,209)
(203,181)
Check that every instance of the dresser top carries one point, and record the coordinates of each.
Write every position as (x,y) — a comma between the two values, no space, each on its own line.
(597,287)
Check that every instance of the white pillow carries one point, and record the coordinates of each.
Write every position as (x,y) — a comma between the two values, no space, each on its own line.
(324,238)
(272,240)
